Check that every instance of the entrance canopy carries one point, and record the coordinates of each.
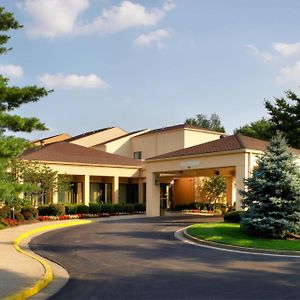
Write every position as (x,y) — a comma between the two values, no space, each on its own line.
(233,157)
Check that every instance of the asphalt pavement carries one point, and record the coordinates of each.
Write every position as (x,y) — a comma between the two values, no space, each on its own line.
(141,259)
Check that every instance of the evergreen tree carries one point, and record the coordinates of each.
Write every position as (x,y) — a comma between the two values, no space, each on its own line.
(285,115)
(272,195)
(12,97)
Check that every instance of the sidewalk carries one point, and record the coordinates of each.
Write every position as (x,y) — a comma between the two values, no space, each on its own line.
(19,272)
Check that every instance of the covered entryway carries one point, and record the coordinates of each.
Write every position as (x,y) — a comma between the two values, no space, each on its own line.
(233,157)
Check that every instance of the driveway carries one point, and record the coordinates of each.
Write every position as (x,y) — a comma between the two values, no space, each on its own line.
(141,259)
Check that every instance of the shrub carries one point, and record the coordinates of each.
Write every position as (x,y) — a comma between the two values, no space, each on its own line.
(29,212)
(19,217)
(129,208)
(58,209)
(44,210)
(119,208)
(107,208)
(94,208)
(5,212)
(71,209)
(51,210)
(82,209)
(139,207)
(233,216)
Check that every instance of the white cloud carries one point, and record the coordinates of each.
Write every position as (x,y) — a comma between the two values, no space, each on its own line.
(264,56)
(286,49)
(53,18)
(11,71)
(289,75)
(72,81)
(124,16)
(152,37)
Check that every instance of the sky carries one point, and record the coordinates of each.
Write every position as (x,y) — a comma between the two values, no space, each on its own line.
(150,64)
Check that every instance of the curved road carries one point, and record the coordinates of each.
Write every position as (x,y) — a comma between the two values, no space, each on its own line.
(141,259)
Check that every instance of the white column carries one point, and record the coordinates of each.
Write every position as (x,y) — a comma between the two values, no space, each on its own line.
(241,174)
(115,190)
(86,190)
(152,195)
(229,190)
(141,190)
(55,193)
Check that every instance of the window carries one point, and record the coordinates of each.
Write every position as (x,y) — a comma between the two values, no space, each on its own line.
(137,155)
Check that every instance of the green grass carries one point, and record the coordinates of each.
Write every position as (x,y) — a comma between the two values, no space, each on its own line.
(2,226)
(230,233)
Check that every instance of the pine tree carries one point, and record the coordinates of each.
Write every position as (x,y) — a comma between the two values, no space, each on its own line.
(272,195)
(11,98)
(285,117)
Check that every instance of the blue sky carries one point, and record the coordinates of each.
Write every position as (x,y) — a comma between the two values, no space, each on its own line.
(148,64)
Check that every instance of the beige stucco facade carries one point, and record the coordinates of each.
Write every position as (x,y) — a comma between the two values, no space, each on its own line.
(87,174)
(235,166)
(155,143)
(99,137)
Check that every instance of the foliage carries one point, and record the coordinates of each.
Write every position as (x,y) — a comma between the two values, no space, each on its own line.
(212,123)
(29,212)
(71,209)
(261,129)
(233,216)
(272,195)
(139,207)
(51,210)
(11,98)
(94,208)
(41,179)
(19,217)
(213,189)
(107,208)
(82,209)
(285,115)
(5,212)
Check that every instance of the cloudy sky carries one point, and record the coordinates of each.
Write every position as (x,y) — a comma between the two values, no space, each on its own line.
(146,64)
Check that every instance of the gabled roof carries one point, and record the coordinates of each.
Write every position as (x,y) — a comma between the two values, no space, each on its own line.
(51,139)
(120,137)
(179,126)
(229,143)
(70,153)
(83,135)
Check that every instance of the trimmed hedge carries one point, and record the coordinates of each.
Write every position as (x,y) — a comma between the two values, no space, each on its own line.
(71,209)
(107,208)
(93,208)
(51,210)
(233,216)
(82,209)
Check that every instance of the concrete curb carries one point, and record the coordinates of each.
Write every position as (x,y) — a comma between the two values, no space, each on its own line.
(47,277)
(224,247)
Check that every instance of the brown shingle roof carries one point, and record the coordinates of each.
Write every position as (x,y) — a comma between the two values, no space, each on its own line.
(179,126)
(229,143)
(70,153)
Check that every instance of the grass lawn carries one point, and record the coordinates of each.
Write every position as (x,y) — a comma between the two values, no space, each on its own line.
(2,226)
(230,233)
